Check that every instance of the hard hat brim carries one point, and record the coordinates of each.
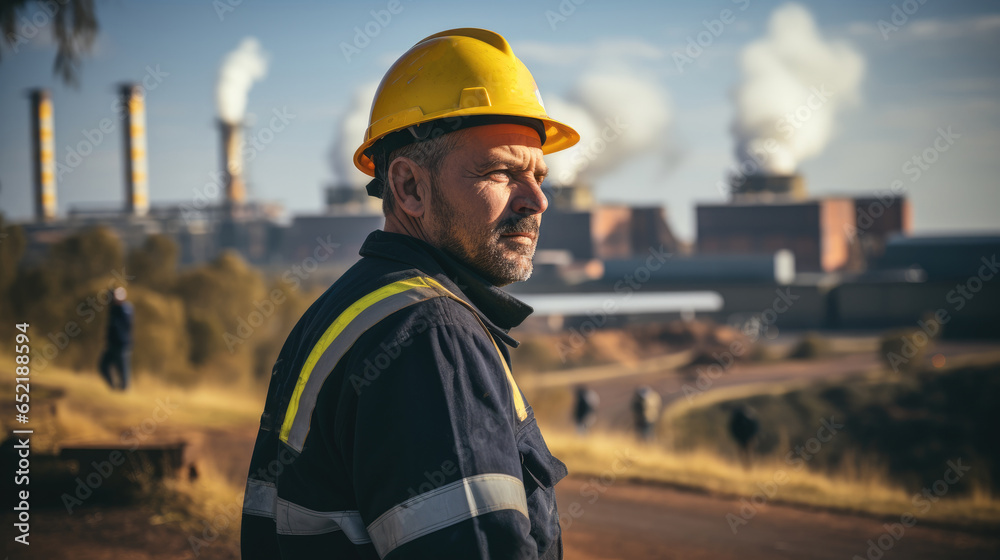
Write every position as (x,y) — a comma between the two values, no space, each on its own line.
(558,135)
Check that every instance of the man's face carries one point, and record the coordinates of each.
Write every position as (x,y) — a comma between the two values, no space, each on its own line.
(487,201)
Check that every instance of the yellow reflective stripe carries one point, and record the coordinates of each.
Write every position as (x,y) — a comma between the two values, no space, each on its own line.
(522,411)
(351,313)
(335,329)
(519,407)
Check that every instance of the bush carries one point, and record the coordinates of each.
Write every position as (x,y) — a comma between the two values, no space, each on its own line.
(903,350)
(188,324)
(154,265)
(538,354)
(912,425)
(216,297)
(12,243)
(161,344)
(811,347)
(94,254)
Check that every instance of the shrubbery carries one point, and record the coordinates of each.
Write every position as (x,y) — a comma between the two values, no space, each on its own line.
(812,346)
(182,317)
(904,350)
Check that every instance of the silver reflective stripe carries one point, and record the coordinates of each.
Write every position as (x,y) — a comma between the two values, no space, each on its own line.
(293,519)
(446,506)
(340,345)
(260,498)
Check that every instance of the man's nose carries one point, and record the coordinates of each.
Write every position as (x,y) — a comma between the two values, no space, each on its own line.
(529,198)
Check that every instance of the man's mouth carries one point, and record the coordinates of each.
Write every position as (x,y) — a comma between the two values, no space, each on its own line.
(520,236)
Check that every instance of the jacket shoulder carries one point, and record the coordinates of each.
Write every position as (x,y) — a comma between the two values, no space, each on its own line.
(434,313)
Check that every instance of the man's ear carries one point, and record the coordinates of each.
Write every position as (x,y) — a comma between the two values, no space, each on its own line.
(410,184)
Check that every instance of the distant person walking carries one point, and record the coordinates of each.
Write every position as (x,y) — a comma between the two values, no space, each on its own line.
(743,426)
(585,410)
(118,352)
(646,411)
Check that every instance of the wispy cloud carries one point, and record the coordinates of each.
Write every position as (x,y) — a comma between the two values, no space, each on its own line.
(940,29)
(600,50)
(931,29)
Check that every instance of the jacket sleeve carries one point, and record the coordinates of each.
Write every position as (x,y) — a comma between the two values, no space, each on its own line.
(436,470)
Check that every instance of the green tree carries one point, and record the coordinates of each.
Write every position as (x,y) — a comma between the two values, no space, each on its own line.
(94,254)
(65,296)
(154,265)
(12,244)
(217,297)
(74,26)
(160,339)
(903,351)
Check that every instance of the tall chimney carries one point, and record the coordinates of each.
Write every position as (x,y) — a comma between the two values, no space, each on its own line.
(232,163)
(767,188)
(136,168)
(43,151)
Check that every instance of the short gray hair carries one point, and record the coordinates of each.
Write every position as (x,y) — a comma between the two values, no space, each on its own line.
(427,154)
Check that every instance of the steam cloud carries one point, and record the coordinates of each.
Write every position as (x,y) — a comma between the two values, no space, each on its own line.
(793,85)
(240,69)
(349,134)
(618,116)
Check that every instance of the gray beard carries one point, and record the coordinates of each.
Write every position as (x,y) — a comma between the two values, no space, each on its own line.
(490,260)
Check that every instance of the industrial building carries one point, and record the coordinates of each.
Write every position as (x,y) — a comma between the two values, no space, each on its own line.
(769,214)
(201,231)
(835,262)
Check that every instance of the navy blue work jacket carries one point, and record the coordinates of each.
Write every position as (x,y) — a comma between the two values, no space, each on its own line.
(411,445)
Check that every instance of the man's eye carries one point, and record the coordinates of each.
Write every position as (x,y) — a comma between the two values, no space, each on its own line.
(499,175)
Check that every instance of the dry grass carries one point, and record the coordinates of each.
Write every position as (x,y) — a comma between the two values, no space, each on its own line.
(88,411)
(69,408)
(209,508)
(858,483)
(863,489)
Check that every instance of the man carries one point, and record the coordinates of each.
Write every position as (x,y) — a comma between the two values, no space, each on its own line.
(393,427)
(743,426)
(118,352)
(646,411)
(585,409)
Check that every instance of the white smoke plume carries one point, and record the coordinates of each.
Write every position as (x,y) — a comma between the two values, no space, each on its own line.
(618,116)
(793,85)
(240,69)
(348,136)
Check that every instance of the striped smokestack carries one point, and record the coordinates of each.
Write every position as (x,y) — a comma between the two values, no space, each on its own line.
(232,162)
(240,69)
(43,150)
(136,168)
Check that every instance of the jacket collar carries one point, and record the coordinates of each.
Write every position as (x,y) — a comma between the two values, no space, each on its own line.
(498,309)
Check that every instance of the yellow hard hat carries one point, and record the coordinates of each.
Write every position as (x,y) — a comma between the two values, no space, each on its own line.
(456,79)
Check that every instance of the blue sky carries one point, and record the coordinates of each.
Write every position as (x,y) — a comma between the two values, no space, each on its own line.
(940,69)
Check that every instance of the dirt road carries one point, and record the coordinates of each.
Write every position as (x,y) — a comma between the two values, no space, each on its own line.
(616,393)
(631,521)
(626,521)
